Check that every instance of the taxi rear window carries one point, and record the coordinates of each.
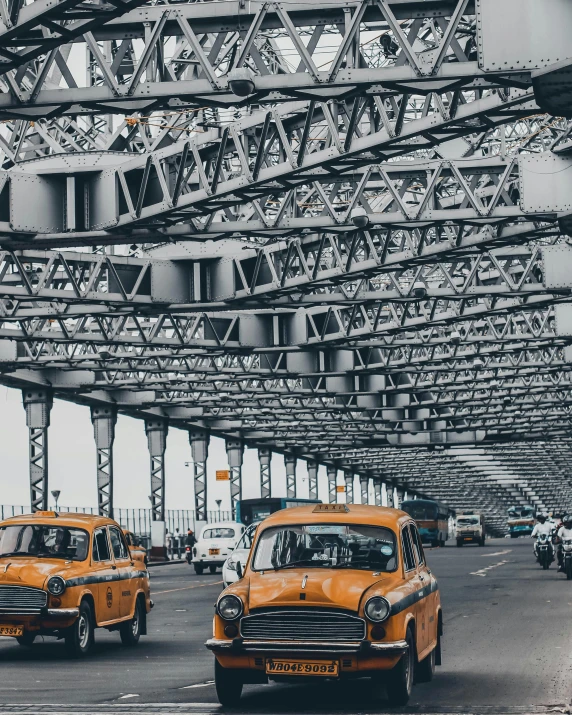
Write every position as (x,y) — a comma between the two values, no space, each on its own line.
(44,541)
(218,533)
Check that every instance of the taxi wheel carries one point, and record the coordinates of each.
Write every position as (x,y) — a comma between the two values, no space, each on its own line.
(212,569)
(426,668)
(79,637)
(228,685)
(198,569)
(27,639)
(130,631)
(400,680)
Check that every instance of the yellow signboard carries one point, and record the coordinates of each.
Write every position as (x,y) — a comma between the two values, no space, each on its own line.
(341,489)
(321,508)
(222,475)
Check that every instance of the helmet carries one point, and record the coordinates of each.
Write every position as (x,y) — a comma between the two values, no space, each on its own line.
(567,521)
(541,518)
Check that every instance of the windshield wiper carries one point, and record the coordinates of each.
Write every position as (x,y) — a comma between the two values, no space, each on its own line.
(312,562)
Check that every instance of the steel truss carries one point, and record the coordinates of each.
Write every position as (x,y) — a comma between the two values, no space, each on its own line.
(337,231)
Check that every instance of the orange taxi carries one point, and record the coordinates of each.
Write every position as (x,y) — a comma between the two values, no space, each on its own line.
(136,548)
(64,575)
(330,591)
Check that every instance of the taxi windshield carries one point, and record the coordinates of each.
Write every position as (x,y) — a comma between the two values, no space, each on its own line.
(326,545)
(467,520)
(43,541)
(218,533)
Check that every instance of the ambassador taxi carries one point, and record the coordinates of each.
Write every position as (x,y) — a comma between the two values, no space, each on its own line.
(330,591)
(65,575)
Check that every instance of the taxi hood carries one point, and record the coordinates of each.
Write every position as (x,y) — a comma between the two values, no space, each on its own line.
(28,571)
(342,588)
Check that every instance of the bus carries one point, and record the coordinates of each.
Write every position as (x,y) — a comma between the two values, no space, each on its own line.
(250,510)
(432,519)
(520,521)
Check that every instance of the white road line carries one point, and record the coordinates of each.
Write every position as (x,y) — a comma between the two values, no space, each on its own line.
(483,572)
(129,695)
(198,685)
(496,553)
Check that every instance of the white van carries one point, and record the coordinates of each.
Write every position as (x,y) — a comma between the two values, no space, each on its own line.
(470,529)
(215,544)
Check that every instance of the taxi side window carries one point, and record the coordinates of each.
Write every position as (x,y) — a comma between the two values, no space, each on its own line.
(101,546)
(417,545)
(117,543)
(408,560)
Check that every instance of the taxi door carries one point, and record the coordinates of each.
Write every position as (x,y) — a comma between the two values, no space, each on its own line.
(416,583)
(427,602)
(106,578)
(126,585)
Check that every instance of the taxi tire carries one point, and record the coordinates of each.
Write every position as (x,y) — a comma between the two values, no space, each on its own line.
(199,568)
(27,639)
(426,668)
(400,680)
(212,569)
(130,631)
(79,641)
(228,684)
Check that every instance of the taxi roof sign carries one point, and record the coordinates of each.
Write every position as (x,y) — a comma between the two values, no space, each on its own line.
(330,508)
(46,513)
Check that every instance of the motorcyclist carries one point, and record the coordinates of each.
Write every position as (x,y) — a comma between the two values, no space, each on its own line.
(564,532)
(541,527)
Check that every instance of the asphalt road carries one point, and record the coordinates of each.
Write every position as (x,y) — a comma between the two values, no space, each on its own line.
(506,648)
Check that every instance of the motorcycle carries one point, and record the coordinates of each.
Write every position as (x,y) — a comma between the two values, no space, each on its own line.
(567,558)
(188,554)
(544,551)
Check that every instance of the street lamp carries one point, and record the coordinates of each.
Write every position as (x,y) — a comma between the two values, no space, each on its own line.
(56,494)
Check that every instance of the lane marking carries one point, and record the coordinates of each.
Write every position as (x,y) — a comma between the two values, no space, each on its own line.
(187,588)
(129,695)
(198,685)
(497,553)
(483,572)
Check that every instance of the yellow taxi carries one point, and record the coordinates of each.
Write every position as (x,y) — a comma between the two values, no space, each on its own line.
(330,591)
(136,548)
(64,575)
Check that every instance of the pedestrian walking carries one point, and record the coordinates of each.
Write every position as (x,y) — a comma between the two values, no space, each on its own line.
(177,544)
(169,545)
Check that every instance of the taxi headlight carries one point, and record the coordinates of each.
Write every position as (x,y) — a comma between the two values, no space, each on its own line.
(229,607)
(56,585)
(377,609)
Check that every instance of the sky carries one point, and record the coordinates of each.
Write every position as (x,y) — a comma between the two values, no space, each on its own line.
(72,467)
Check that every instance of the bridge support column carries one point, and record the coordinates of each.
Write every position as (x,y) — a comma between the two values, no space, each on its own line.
(377,491)
(200,451)
(290,462)
(265,460)
(397,497)
(38,404)
(104,420)
(364,489)
(235,454)
(156,431)
(349,482)
(387,494)
(332,476)
(312,478)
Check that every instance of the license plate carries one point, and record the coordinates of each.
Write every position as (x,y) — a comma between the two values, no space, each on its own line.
(214,552)
(328,668)
(12,631)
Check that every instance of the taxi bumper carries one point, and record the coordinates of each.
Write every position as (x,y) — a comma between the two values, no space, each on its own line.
(240,645)
(58,614)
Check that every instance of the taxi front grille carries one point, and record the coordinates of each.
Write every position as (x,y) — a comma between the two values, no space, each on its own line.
(303,625)
(22,598)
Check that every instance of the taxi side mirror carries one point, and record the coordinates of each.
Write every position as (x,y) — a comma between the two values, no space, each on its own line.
(239,569)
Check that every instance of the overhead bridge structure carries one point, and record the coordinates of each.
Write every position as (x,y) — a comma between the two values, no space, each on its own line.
(336,230)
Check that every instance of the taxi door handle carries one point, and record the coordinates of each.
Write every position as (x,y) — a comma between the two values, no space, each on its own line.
(114,567)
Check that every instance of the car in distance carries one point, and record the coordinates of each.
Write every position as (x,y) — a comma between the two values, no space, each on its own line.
(330,591)
(136,548)
(64,575)
(470,528)
(216,543)
(238,556)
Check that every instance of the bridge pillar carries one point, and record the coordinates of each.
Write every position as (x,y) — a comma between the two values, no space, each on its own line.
(235,454)
(397,497)
(104,420)
(290,462)
(377,491)
(349,482)
(265,460)
(332,476)
(200,451)
(364,488)
(387,494)
(312,478)
(156,431)
(38,403)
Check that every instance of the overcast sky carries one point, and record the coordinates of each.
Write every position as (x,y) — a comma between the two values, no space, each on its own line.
(72,462)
